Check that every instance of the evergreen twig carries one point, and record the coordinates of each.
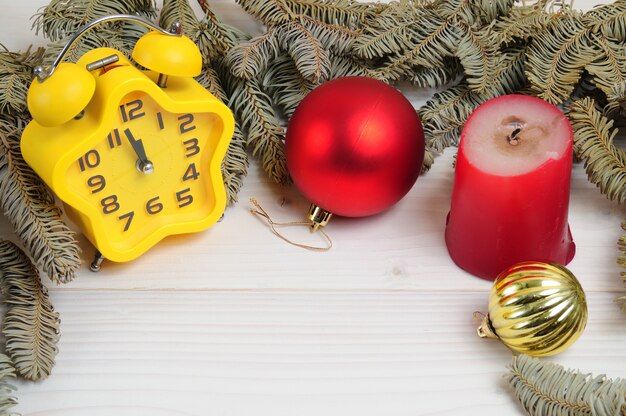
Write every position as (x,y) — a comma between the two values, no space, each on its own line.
(593,143)
(621,260)
(7,399)
(544,388)
(31,326)
(16,73)
(30,208)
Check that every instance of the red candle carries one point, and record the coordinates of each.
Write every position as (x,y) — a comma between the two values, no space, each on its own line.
(511,187)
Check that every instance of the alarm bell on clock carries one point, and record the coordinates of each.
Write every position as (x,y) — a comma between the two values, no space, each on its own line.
(134,154)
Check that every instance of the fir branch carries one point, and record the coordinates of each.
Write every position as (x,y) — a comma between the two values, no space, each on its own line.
(490,10)
(429,159)
(7,400)
(608,68)
(286,85)
(334,38)
(250,58)
(213,37)
(31,326)
(16,73)
(270,13)
(62,18)
(436,77)
(225,36)
(30,208)
(235,163)
(544,388)
(386,37)
(435,45)
(258,121)
(416,37)
(608,20)
(621,260)
(605,164)
(308,53)
(445,114)
(520,24)
(463,10)
(558,56)
(348,13)
(180,11)
(347,65)
(476,55)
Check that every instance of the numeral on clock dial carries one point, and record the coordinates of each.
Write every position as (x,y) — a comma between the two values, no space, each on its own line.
(153,206)
(185,125)
(184,198)
(97,183)
(129,218)
(109,204)
(191,147)
(191,173)
(114,139)
(132,110)
(91,159)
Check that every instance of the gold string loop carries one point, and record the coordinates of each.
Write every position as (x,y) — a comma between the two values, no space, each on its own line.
(259,211)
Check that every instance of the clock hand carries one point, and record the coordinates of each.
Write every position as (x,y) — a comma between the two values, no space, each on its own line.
(143,163)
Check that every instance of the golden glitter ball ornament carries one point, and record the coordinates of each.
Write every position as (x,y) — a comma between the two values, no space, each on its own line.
(536,308)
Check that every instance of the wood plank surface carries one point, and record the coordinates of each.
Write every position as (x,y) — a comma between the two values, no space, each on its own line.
(233,321)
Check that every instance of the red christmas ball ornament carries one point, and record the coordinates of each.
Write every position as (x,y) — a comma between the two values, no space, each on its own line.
(355,147)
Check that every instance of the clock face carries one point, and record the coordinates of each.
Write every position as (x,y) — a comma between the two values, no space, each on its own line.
(148,173)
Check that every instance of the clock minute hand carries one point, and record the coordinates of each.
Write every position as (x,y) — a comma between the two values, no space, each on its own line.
(143,163)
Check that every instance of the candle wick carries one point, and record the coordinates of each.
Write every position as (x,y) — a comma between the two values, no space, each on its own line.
(514,138)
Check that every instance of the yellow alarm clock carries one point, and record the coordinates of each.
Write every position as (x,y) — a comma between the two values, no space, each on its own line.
(134,154)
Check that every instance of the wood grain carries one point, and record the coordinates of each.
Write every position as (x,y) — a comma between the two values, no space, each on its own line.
(234,321)
(284,352)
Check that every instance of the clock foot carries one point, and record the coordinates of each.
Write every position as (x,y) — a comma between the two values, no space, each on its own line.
(97,262)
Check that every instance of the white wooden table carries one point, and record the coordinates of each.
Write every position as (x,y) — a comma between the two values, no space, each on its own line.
(234,321)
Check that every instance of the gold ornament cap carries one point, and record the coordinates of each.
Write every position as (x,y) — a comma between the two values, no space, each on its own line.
(536,308)
(319,217)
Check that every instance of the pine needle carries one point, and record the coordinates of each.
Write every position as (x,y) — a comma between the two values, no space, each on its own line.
(476,54)
(347,13)
(520,24)
(259,122)
(286,85)
(62,18)
(445,114)
(16,73)
(30,208)
(547,389)
(31,326)
(307,51)
(7,399)
(609,20)
(250,58)
(593,143)
(558,55)
(199,31)
(621,260)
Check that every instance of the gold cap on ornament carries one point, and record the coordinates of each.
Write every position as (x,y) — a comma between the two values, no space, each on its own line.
(319,217)
(536,308)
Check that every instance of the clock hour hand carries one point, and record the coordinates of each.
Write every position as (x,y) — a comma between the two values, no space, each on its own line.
(143,163)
